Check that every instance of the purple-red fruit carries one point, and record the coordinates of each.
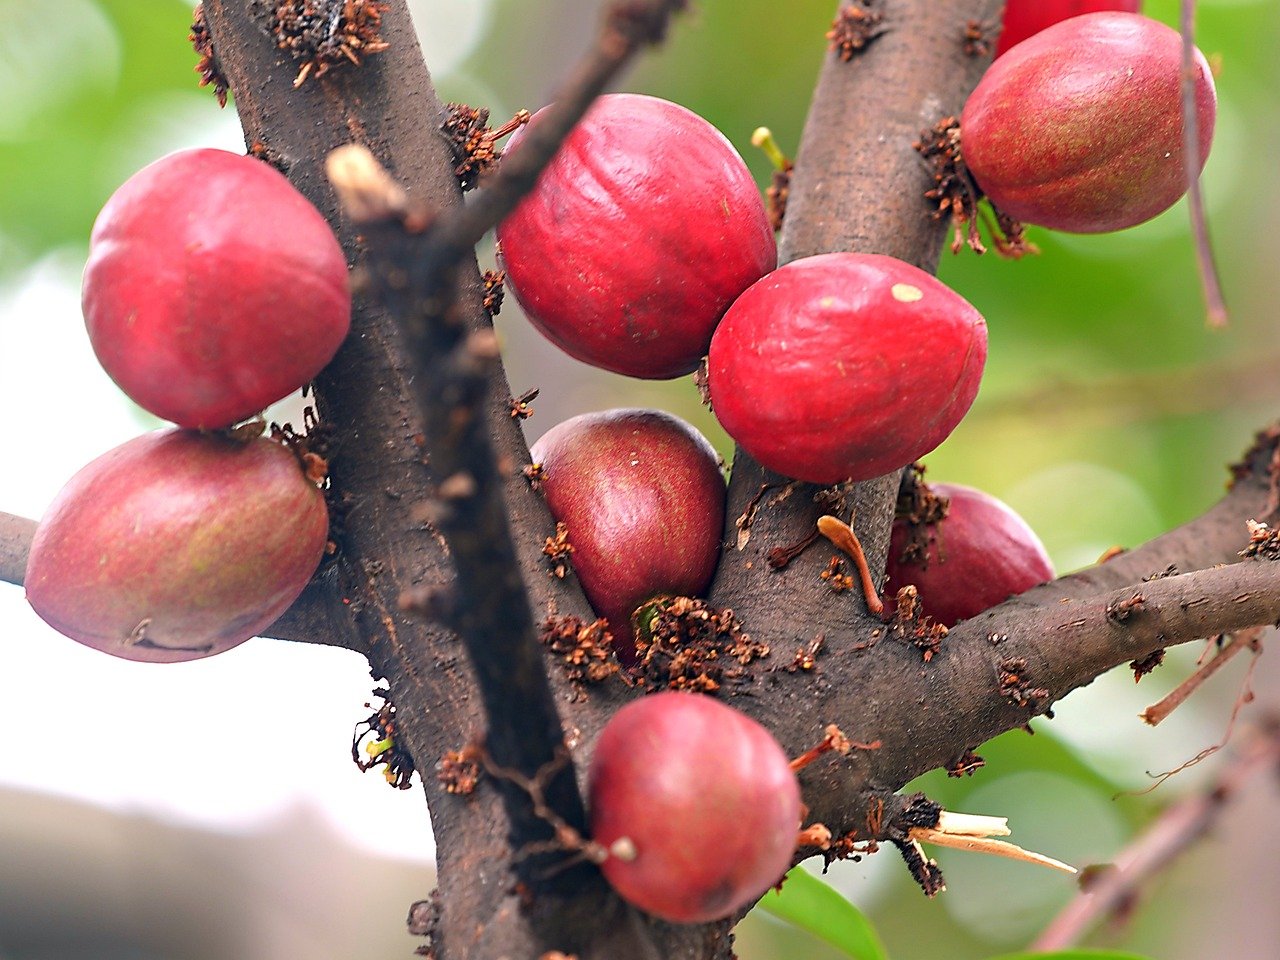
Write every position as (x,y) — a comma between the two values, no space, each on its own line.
(1023,18)
(695,802)
(1080,127)
(977,556)
(176,546)
(641,231)
(642,496)
(845,366)
(213,288)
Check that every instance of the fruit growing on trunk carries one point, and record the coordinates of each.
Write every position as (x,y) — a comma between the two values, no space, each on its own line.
(845,366)
(642,496)
(177,545)
(1023,18)
(696,804)
(980,554)
(1080,127)
(213,288)
(638,235)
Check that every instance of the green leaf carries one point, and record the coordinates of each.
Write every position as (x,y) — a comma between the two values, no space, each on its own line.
(810,904)
(1072,955)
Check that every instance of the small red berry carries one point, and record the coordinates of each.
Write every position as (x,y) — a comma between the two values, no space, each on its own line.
(177,545)
(1080,127)
(845,366)
(213,288)
(639,234)
(980,554)
(1023,18)
(696,803)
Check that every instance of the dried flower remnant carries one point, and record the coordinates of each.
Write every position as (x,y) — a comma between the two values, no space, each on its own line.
(474,144)
(912,626)
(836,578)
(459,770)
(977,39)
(1264,542)
(779,190)
(211,74)
(967,765)
(558,550)
(1148,663)
(374,742)
(1016,688)
(323,34)
(522,406)
(687,644)
(494,291)
(585,649)
(855,26)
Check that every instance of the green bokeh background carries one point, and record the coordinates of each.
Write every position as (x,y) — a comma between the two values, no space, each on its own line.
(1106,415)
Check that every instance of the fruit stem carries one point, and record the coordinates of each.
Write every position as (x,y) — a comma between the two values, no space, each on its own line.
(842,535)
(763,139)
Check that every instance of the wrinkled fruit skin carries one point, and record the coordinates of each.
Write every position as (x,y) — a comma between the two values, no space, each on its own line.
(176,546)
(707,797)
(979,555)
(1023,18)
(1080,127)
(845,366)
(643,497)
(638,235)
(213,288)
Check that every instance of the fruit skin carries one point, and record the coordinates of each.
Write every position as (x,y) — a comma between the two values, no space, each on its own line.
(213,288)
(642,495)
(979,555)
(845,366)
(206,540)
(1023,18)
(1080,127)
(707,797)
(638,235)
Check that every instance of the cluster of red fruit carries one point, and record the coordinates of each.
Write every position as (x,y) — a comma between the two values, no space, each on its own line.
(213,289)
(829,369)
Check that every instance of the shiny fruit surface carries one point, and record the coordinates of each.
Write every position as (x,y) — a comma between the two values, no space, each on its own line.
(1023,18)
(977,556)
(1080,127)
(704,798)
(639,234)
(642,495)
(176,546)
(213,288)
(845,366)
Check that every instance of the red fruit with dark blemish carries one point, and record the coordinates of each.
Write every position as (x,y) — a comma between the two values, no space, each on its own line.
(213,288)
(696,803)
(642,495)
(845,366)
(638,236)
(1024,18)
(977,556)
(176,546)
(1080,127)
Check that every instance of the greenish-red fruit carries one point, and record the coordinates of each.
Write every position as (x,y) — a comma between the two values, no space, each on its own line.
(643,499)
(696,805)
(977,556)
(177,545)
(1079,128)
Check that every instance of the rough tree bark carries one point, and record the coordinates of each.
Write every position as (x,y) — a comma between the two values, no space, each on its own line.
(391,592)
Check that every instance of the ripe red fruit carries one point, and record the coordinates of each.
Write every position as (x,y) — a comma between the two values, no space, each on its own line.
(845,366)
(213,288)
(1022,18)
(706,800)
(639,234)
(1080,127)
(176,546)
(643,499)
(979,555)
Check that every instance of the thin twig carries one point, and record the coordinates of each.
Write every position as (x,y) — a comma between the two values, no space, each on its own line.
(1215,306)
(1239,641)
(1176,830)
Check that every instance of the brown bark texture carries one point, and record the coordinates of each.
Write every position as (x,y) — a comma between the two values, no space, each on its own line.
(407,588)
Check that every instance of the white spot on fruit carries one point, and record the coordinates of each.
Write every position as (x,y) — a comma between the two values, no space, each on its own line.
(906,293)
(623,848)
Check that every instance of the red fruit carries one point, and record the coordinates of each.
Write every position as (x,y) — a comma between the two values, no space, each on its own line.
(213,288)
(176,546)
(639,234)
(643,499)
(979,555)
(1080,127)
(706,798)
(845,366)
(1022,18)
